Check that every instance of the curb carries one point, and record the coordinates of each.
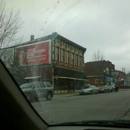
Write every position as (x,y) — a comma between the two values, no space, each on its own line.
(71,95)
(66,94)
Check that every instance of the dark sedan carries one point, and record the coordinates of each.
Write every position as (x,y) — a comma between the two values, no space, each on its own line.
(103,89)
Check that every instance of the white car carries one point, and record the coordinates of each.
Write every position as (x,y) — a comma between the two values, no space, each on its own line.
(36,90)
(112,88)
(88,89)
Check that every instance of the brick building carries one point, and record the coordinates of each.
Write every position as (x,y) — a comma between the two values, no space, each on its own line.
(127,82)
(55,58)
(123,80)
(99,73)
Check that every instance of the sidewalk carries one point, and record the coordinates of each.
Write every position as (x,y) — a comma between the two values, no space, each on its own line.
(74,94)
(66,94)
(71,94)
(121,89)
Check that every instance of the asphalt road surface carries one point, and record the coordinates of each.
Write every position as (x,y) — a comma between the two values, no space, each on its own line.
(68,108)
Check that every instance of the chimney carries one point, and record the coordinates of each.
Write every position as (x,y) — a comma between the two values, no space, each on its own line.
(32,38)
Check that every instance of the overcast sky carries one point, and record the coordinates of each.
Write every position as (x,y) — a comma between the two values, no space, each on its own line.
(93,24)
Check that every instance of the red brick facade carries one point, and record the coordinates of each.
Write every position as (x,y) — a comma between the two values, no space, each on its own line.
(99,72)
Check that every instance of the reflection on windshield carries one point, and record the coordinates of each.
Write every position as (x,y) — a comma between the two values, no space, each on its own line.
(27,85)
(100,86)
(67,47)
(86,86)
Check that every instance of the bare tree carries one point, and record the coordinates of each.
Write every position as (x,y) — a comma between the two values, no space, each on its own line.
(9,25)
(97,56)
(123,69)
(97,66)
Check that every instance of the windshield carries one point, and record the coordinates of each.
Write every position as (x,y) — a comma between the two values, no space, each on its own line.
(66,46)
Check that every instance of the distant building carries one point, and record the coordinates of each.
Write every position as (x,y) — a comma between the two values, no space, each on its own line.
(127,82)
(99,73)
(55,58)
(123,80)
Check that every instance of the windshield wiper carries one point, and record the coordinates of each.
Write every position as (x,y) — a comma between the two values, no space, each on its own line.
(89,123)
(118,123)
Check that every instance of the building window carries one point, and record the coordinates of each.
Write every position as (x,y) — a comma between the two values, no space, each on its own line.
(72,59)
(107,71)
(76,60)
(57,53)
(83,65)
(81,61)
(67,57)
(98,80)
(62,55)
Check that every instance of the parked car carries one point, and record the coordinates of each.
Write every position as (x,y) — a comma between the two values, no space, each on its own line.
(36,90)
(88,89)
(116,88)
(107,89)
(112,88)
(103,89)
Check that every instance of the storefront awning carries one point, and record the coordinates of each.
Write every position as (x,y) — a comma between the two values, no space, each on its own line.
(114,80)
(61,72)
(108,79)
(70,78)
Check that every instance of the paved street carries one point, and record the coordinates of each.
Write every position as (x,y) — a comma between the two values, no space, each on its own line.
(68,108)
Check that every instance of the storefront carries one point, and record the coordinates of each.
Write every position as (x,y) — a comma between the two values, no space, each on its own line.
(44,71)
(67,80)
(110,81)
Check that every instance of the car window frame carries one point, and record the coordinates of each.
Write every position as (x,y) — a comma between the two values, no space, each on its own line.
(17,98)
(41,85)
(34,85)
(47,85)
